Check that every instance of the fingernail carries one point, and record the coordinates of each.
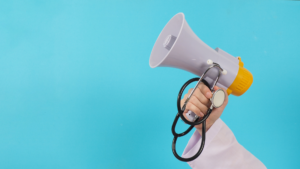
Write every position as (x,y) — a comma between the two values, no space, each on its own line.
(208,94)
(202,115)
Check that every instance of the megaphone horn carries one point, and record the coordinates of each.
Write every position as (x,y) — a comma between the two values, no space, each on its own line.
(179,47)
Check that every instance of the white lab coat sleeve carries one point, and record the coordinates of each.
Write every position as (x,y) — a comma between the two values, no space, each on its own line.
(221,150)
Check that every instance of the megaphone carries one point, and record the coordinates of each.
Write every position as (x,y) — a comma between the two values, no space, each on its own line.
(179,47)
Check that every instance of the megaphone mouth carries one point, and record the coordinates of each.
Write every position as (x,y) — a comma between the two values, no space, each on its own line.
(166,40)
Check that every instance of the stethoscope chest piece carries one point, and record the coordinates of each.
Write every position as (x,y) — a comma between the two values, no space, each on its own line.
(218,98)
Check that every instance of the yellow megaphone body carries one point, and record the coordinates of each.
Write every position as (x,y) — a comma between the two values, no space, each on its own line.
(179,47)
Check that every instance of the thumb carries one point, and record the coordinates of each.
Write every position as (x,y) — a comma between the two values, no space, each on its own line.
(216,88)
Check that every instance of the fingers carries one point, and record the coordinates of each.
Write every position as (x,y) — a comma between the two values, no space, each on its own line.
(185,97)
(199,102)
(197,107)
(201,97)
(216,88)
(202,92)
(205,90)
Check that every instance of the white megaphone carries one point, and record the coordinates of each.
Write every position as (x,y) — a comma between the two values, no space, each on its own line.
(178,46)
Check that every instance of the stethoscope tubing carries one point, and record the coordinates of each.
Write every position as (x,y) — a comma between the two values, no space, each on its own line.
(180,114)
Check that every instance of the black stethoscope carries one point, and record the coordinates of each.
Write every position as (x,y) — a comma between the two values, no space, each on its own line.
(217,100)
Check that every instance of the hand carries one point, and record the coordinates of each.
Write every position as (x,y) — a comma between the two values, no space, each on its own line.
(199,103)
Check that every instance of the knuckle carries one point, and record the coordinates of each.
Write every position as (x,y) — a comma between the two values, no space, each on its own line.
(199,91)
(195,101)
(192,107)
(181,103)
(203,99)
(182,100)
(206,101)
(201,86)
(184,97)
(189,106)
(205,109)
(206,89)
(193,98)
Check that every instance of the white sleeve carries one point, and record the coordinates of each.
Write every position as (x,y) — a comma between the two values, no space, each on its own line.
(221,150)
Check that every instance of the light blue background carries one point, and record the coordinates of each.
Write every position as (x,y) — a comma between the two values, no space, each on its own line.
(76,89)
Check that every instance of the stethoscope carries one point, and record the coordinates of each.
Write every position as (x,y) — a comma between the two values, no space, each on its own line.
(217,100)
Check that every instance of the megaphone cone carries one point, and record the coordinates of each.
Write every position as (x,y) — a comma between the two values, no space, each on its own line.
(179,47)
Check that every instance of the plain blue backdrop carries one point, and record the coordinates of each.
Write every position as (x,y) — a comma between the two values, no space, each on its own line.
(76,89)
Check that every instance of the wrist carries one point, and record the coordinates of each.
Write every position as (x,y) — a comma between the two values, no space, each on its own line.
(208,125)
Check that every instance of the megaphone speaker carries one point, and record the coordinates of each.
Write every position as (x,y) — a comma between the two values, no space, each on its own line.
(179,47)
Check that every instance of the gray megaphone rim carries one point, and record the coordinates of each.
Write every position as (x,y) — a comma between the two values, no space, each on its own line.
(153,65)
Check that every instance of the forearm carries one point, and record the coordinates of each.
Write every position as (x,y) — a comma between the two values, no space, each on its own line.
(221,150)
